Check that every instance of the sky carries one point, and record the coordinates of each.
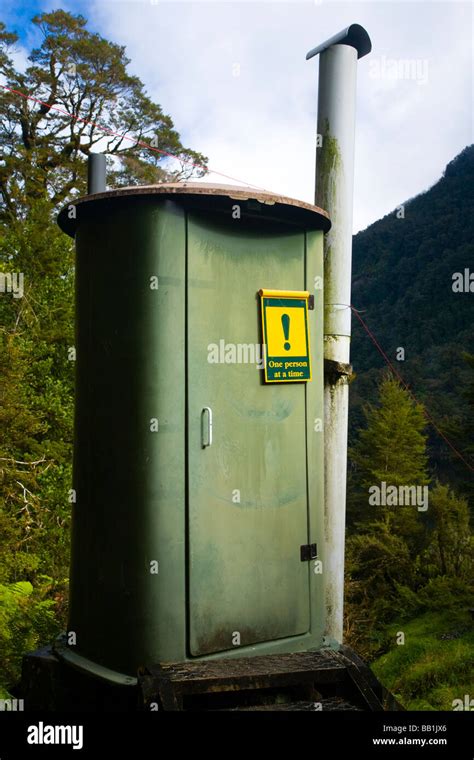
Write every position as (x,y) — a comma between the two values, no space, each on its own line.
(234,79)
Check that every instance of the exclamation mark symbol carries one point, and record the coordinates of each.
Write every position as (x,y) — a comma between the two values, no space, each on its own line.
(285,321)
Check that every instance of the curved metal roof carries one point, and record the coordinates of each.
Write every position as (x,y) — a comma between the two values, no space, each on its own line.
(258,203)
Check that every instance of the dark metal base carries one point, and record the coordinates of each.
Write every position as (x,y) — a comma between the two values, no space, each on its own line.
(325,680)
(48,683)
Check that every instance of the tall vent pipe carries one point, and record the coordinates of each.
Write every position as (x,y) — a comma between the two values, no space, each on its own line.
(334,192)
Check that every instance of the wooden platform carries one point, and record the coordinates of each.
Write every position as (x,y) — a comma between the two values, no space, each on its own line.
(307,681)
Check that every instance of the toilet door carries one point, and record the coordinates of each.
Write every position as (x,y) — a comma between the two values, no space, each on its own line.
(247,464)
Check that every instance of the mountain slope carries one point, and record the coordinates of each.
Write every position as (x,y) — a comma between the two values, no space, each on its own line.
(403,286)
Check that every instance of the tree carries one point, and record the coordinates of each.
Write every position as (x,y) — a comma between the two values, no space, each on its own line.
(390,449)
(36,388)
(450,551)
(393,445)
(395,556)
(82,98)
(461,429)
(378,564)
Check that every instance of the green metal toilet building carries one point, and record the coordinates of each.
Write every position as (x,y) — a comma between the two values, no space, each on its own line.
(213,330)
(198,485)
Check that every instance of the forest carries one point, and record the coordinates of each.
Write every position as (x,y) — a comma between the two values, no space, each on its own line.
(409,573)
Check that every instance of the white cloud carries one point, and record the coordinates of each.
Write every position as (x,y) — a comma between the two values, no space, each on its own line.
(260,126)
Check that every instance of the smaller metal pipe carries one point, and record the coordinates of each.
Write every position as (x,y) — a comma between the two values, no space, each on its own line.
(96,173)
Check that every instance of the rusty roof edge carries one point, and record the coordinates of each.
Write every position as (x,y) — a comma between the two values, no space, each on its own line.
(197,188)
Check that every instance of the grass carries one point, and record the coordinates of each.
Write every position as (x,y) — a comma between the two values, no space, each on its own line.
(428,672)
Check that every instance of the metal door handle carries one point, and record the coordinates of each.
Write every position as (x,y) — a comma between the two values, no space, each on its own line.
(206,426)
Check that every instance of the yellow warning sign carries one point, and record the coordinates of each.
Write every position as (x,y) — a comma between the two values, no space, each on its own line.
(285,335)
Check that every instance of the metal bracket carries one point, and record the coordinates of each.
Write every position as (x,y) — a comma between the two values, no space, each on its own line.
(308,552)
(335,371)
(310,303)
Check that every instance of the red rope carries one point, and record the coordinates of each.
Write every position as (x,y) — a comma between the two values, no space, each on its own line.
(404,384)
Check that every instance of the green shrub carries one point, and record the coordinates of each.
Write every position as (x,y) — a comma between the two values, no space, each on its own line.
(27,621)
